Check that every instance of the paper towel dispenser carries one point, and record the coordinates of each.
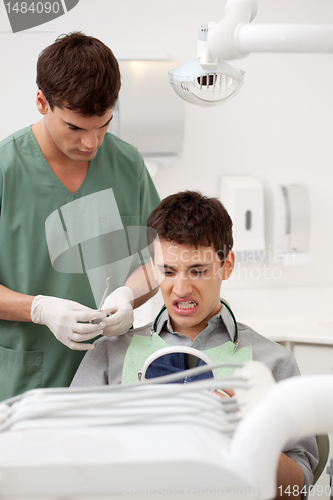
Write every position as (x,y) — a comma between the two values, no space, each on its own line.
(271,221)
(148,114)
(288,221)
(296,198)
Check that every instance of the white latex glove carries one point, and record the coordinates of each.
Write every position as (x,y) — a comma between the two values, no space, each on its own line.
(63,318)
(120,302)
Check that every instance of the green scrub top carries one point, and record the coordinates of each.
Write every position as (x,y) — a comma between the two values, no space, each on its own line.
(31,196)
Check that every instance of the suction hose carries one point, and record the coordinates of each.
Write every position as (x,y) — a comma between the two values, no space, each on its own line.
(294,408)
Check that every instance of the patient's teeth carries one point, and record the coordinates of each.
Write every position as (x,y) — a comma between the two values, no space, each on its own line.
(186,305)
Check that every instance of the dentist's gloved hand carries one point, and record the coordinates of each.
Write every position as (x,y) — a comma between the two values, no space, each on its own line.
(63,317)
(120,302)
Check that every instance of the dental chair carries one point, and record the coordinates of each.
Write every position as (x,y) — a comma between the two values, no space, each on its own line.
(155,439)
(323,444)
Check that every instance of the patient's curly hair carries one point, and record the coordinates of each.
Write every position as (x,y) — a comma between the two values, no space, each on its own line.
(192,219)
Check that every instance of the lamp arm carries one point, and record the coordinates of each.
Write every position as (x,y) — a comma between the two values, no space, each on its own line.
(220,35)
(284,38)
(234,37)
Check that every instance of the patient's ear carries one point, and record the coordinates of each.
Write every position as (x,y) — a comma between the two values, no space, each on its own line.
(228,266)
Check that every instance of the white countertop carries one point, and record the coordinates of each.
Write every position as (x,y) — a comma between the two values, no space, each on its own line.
(302,314)
(286,314)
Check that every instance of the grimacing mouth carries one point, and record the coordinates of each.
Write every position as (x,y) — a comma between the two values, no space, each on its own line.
(189,304)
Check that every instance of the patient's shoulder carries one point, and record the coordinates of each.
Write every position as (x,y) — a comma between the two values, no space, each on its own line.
(277,357)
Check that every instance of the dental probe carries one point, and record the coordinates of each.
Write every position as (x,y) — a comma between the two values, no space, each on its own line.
(97,321)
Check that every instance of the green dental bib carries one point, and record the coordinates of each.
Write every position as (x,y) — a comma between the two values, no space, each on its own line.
(141,347)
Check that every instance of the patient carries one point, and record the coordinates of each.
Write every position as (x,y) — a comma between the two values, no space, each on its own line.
(191,258)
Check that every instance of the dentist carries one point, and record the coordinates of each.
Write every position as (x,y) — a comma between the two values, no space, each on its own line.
(68,157)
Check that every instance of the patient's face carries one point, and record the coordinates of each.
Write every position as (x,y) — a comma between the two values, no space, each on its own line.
(190,281)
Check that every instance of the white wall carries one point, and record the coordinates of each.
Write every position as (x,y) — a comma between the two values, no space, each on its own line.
(280,124)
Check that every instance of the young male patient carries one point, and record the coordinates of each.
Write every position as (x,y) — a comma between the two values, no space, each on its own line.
(191,257)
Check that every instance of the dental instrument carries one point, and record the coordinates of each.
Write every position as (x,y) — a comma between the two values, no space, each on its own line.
(152,439)
(209,81)
(97,321)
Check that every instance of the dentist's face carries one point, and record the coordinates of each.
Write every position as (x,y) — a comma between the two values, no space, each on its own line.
(190,281)
(68,133)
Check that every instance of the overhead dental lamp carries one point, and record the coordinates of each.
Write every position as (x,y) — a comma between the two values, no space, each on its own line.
(209,81)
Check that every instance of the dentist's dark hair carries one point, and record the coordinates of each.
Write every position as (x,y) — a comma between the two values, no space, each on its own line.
(192,219)
(80,73)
